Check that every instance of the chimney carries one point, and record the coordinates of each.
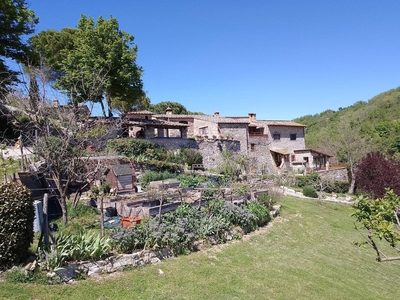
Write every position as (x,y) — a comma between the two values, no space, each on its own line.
(56,103)
(252,117)
(216,114)
(168,111)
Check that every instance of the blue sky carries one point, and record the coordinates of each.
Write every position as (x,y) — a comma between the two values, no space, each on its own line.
(281,59)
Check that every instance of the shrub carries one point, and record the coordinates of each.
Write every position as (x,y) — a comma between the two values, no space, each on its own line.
(235,214)
(132,147)
(340,187)
(179,230)
(240,189)
(309,191)
(149,176)
(16,223)
(261,213)
(190,180)
(190,156)
(307,180)
(375,173)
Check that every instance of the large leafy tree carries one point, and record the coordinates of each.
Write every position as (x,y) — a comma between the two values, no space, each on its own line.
(16,20)
(43,66)
(102,65)
(49,49)
(177,108)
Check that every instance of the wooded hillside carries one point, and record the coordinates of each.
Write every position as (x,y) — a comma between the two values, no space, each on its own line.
(375,123)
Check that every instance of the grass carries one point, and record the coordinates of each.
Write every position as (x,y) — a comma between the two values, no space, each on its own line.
(307,253)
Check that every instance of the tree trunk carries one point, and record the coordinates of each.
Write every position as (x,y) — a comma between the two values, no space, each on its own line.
(63,204)
(45,228)
(33,90)
(352,182)
(103,108)
(108,99)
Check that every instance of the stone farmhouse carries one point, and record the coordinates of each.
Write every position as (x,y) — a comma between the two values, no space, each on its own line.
(272,146)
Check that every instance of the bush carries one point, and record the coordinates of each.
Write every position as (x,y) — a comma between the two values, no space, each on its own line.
(132,147)
(190,156)
(240,189)
(179,230)
(307,180)
(149,176)
(16,223)
(261,213)
(340,187)
(190,180)
(375,173)
(235,214)
(309,191)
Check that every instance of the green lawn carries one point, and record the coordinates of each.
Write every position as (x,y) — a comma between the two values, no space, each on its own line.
(307,253)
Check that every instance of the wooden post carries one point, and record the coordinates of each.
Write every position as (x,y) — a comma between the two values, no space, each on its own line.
(45,226)
(21,147)
(161,203)
(101,217)
(201,197)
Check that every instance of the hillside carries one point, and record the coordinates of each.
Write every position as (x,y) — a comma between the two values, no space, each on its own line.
(377,122)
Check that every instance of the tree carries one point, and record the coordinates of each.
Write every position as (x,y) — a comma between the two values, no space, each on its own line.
(48,50)
(59,137)
(101,65)
(143,103)
(380,218)
(375,173)
(351,147)
(16,20)
(44,64)
(177,108)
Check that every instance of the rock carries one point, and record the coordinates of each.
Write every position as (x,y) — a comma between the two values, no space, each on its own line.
(94,271)
(66,274)
(32,267)
(51,275)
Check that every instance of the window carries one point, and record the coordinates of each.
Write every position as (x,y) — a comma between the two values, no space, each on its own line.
(203,130)
(253,147)
(276,136)
(293,136)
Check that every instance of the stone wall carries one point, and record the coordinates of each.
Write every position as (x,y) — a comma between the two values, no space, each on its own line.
(111,264)
(285,142)
(339,174)
(210,149)
(260,156)
(211,128)
(239,133)
(174,143)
